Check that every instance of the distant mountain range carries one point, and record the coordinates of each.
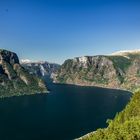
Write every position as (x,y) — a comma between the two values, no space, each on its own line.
(118,70)
(40,68)
(15,80)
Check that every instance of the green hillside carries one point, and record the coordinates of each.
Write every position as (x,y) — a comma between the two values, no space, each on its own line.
(112,71)
(15,80)
(125,126)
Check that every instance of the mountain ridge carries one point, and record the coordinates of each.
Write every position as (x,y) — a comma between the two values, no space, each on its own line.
(14,79)
(111,71)
(40,68)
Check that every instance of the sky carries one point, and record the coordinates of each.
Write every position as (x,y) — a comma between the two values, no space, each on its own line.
(56,30)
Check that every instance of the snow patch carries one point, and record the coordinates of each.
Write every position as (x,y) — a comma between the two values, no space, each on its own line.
(25,61)
(83,59)
(124,52)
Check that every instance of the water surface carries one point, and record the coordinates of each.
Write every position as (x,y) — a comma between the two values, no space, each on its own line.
(67,112)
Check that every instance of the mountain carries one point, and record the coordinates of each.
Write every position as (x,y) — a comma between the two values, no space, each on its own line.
(14,79)
(41,68)
(118,70)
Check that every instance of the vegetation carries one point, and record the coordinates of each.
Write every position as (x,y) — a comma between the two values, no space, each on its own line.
(125,126)
(71,70)
(120,62)
(115,72)
(107,71)
(14,79)
(16,86)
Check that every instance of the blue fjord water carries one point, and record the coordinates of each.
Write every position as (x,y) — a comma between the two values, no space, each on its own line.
(67,112)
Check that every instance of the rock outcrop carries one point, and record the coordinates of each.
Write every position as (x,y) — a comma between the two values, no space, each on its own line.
(14,79)
(41,68)
(113,71)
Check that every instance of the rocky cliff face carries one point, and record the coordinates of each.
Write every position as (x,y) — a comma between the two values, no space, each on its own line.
(14,79)
(113,71)
(40,68)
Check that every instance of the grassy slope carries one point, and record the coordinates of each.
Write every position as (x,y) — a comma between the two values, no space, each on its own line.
(125,126)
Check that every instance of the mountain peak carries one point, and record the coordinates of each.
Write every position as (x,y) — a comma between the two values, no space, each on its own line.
(15,80)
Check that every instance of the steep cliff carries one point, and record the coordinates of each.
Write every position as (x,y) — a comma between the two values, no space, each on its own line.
(14,79)
(113,71)
(41,68)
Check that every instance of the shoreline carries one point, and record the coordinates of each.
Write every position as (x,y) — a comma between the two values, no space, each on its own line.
(85,136)
(120,89)
(96,86)
(24,94)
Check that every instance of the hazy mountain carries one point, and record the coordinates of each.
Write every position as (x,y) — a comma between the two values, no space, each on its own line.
(40,68)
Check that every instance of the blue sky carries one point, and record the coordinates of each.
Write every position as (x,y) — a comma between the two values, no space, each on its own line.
(55,30)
